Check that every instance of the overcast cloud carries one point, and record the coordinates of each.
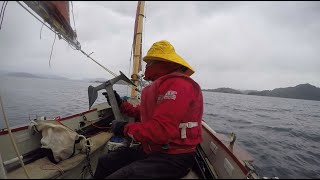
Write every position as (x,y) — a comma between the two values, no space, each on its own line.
(241,45)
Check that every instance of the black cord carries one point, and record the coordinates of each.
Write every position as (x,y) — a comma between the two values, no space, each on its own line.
(3,9)
(41,30)
(55,36)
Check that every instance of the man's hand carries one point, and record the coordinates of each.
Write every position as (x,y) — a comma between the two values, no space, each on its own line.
(117,127)
(118,98)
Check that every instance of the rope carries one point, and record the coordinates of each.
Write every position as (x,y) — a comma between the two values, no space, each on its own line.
(12,139)
(89,161)
(41,30)
(91,121)
(55,36)
(99,127)
(3,9)
(130,66)
(58,120)
(87,146)
(98,63)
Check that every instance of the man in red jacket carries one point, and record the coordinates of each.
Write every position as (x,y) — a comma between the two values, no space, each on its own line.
(170,116)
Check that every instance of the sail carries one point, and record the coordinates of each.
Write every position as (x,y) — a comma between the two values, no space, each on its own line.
(137,39)
(56,14)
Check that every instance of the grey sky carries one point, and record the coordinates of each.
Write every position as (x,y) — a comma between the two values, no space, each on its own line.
(241,45)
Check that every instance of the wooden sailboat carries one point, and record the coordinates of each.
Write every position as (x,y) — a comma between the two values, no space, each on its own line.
(218,156)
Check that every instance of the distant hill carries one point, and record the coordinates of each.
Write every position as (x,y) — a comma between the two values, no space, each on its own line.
(29,75)
(49,76)
(23,74)
(224,90)
(301,91)
(95,80)
(102,80)
(248,91)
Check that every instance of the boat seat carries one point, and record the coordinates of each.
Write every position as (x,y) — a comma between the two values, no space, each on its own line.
(44,169)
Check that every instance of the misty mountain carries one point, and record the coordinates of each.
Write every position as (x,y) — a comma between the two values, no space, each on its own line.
(248,91)
(301,91)
(51,76)
(29,75)
(224,90)
(96,80)
(23,74)
(102,80)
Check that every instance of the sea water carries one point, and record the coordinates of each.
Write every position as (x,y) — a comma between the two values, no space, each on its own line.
(282,135)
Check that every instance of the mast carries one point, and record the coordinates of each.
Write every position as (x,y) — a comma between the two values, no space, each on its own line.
(137,46)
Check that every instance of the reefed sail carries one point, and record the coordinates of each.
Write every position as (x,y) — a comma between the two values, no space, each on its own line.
(137,43)
(56,14)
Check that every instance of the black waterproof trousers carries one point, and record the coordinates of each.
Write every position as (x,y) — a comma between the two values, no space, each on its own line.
(135,164)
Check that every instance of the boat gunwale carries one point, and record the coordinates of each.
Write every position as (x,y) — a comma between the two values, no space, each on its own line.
(5,131)
(226,149)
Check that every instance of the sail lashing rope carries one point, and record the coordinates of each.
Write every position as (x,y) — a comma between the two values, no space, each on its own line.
(3,9)
(55,36)
(15,147)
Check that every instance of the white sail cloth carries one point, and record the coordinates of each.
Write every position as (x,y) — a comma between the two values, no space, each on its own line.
(60,140)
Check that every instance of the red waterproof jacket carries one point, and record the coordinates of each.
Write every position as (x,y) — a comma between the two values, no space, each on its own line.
(171,113)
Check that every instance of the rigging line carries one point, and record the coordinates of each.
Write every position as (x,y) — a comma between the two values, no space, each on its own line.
(98,63)
(2,12)
(41,30)
(71,46)
(55,36)
(131,55)
(2,6)
(130,66)
(103,66)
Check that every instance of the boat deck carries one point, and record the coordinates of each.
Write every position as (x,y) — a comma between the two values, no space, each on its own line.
(44,169)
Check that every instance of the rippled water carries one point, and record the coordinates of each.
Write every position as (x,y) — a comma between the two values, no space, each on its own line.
(283,135)
(45,97)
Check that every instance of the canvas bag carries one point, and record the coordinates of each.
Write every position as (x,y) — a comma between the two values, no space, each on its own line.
(58,141)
